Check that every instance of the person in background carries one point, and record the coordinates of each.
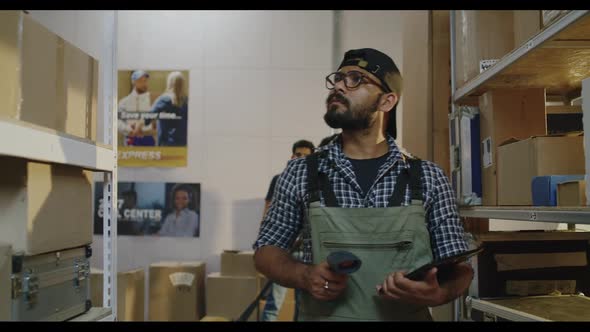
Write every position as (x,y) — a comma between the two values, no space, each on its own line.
(134,132)
(182,221)
(361,194)
(277,294)
(174,101)
(300,149)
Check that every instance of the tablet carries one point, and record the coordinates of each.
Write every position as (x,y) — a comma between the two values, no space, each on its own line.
(443,265)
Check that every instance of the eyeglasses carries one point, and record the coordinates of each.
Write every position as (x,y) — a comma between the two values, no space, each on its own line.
(352,80)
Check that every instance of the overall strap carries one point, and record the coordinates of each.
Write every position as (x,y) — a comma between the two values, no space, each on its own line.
(313,187)
(317,182)
(413,177)
(416,180)
(327,191)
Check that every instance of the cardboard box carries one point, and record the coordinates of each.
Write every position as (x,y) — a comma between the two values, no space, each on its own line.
(528,261)
(134,294)
(530,255)
(46,80)
(229,296)
(96,291)
(539,287)
(520,161)
(130,293)
(527,23)
(505,114)
(5,287)
(45,207)
(544,188)
(176,291)
(238,263)
(572,193)
(481,35)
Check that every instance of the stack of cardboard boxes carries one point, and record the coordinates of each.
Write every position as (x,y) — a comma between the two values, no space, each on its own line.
(49,84)
(177,291)
(233,289)
(515,147)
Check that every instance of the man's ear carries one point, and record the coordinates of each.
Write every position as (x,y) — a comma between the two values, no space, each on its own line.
(388,100)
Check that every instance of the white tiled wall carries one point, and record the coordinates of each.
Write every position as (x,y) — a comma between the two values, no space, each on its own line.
(237,39)
(301,40)
(237,102)
(298,102)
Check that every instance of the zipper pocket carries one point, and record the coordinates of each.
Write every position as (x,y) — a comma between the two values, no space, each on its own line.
(402,245)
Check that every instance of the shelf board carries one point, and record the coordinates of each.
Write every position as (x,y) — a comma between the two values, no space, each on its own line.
(505,312)
(557,58)
(563,308)
(93,315)
(574,215)
(25,140)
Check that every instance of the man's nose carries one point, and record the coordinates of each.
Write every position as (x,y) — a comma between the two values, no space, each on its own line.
(340,86)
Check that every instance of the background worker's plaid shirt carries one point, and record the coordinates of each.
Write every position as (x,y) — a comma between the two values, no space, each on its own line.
(287,216)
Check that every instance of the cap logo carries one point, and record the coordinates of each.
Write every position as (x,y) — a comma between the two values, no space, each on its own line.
(376,69)
(362,63)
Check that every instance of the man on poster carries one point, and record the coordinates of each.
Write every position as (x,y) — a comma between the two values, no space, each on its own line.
(135,132)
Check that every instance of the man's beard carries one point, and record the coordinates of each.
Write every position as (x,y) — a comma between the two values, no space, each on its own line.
(358,118)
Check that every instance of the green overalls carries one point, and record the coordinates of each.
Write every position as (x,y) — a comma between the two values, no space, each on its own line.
(387,239)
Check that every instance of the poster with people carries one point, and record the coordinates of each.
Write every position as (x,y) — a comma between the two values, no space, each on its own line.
(152,118)
(153,209)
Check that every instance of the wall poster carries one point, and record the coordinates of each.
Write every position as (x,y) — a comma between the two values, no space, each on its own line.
(153,209)
(152,118)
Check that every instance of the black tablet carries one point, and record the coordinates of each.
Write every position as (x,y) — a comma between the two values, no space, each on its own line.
(442,265)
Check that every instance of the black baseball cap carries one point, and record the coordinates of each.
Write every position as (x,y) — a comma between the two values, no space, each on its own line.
(383,67)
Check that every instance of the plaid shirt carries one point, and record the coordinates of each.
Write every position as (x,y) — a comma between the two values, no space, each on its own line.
(287,216)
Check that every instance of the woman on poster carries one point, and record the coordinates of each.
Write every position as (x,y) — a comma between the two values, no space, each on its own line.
(172,109)
(182,221)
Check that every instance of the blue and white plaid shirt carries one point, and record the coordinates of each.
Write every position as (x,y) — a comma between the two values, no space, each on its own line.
(287,216)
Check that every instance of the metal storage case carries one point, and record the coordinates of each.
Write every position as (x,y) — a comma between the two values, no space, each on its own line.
(47,287)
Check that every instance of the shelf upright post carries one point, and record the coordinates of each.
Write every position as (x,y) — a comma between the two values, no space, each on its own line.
(457,303)
(110,213)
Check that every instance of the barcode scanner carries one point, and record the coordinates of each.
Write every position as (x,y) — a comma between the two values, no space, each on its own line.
(343,262)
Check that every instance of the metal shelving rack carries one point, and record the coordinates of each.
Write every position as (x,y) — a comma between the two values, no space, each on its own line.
(46,145)
(563,45)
